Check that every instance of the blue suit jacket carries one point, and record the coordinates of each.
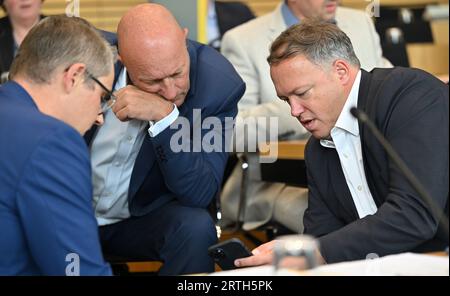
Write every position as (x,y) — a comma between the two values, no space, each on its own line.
(193,178)
(46,215)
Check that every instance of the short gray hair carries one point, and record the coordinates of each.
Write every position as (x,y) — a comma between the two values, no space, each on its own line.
(61,41)
(319,41)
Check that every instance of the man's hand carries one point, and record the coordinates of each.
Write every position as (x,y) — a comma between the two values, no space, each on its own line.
(133,103)
(263,255)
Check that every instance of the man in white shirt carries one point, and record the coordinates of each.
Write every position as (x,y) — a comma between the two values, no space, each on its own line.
(359,202)
(247,47)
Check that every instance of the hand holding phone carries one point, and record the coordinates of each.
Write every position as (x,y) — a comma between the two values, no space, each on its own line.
(226,252)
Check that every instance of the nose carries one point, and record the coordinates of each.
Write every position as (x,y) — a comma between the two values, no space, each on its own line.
(100,119)
(168,89)
(296,107)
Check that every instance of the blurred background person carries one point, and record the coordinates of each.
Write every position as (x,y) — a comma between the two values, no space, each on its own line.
(21,16)
(223,16)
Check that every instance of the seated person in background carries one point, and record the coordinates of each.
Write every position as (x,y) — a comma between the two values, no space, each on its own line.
(359,201)
(21,17)
(152,183)
(247,47)
(47,223)
(223,16)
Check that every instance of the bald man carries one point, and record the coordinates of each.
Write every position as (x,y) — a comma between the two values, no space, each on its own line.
(150,198)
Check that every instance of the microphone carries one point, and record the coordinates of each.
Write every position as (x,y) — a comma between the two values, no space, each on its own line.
(410,177)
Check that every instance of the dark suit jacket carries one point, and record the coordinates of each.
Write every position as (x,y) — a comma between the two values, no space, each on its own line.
(6,44)
(46,215)
(411,109)
(193,178)
(231,14)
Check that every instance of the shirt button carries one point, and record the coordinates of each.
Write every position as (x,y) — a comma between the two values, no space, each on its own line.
(117,163)
(359,187)
(345,155)
(130,138)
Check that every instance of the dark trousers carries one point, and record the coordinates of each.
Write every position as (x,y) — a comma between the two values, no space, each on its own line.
(177,235)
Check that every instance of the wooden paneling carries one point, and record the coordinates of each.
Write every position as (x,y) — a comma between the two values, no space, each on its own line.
(264,6)
(430,57)
(104,14)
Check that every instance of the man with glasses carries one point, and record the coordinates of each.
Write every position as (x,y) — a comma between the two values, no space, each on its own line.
(150,198)
(47,224)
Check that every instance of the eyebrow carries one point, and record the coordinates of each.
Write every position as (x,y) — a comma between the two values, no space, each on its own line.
(178,70)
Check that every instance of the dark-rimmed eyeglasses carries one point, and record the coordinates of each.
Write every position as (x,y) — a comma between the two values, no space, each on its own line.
(108,99)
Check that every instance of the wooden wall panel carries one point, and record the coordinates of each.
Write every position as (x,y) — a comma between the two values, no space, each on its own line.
(104,14)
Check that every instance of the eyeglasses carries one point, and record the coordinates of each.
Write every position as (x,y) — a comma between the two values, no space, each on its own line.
(108,99)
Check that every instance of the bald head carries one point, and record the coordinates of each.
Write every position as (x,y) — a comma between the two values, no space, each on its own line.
(150,30)
(152,47)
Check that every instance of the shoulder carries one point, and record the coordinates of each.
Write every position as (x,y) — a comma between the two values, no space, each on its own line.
(4,21)
(34,129)
(406,91)
(5,26)
(233,7)
(401,78)
(343,13)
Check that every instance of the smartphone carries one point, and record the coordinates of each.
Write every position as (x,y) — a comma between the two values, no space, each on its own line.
(226,252)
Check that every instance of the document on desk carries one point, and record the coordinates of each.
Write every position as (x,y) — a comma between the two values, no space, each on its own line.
(405,264)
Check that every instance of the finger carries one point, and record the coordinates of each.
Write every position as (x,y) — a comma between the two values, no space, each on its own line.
(256,260)
(264,248)
(122,114)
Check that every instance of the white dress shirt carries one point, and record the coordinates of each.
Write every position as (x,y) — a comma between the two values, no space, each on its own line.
(113,153)
(346,140)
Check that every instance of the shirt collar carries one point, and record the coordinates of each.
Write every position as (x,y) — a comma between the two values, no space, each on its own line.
(346,121)
(289,18)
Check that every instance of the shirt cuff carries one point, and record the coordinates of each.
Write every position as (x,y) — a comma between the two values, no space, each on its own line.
(159,126)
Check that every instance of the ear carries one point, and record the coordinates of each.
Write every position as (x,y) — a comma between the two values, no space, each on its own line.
(74,76)
(342,70)
(186,32)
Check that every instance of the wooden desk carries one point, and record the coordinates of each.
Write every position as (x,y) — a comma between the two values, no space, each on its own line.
(439,254)
(290,149)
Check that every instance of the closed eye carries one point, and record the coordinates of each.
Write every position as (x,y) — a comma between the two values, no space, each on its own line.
(302,94)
